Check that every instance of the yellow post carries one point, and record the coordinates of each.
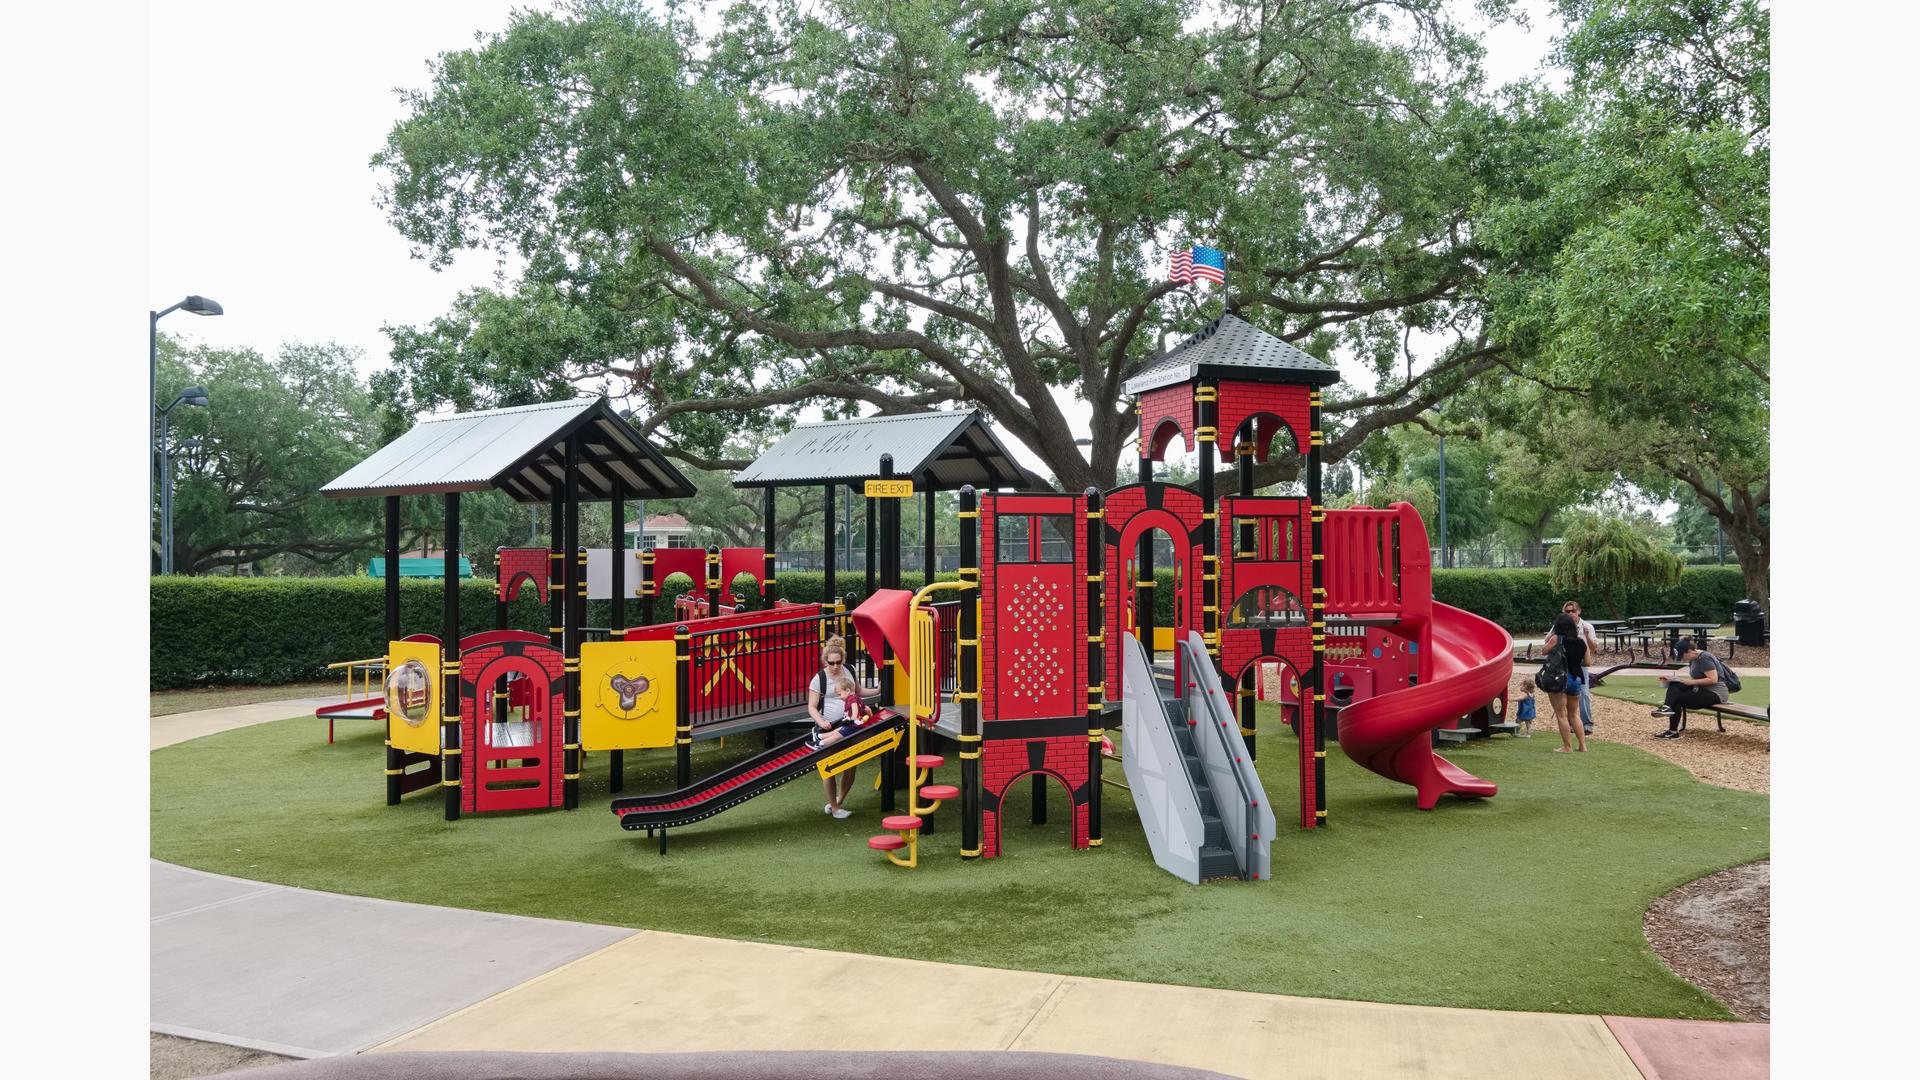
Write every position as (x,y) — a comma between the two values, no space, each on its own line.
(926,690)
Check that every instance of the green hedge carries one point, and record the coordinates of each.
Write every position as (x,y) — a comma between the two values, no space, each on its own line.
(209,631)
(213,631)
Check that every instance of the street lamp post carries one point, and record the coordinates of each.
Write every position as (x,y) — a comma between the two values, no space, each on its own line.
(196,397)
(196,305)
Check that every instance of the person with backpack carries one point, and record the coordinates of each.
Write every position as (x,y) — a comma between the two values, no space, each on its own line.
(1562,678)
(1707,682)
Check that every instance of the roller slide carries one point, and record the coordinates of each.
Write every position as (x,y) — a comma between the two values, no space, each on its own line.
(735,785)
(1472,660)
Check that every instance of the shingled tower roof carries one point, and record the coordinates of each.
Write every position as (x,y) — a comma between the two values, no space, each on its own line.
(1230,347)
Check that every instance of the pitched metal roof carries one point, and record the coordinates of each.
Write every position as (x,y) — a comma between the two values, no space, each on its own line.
(1230,347)
(521,451)
(948,448)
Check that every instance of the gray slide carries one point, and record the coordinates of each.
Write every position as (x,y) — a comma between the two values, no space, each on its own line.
(1165,758)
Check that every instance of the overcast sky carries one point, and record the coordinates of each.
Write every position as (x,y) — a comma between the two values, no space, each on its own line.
(263,121)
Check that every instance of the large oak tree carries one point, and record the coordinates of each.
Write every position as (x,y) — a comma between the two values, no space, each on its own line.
(863,203)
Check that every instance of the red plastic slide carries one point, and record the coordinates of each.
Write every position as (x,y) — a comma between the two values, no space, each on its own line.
(1471,661)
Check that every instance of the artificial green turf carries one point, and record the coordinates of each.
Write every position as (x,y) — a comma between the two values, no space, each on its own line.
(1647,689)
(1529,900)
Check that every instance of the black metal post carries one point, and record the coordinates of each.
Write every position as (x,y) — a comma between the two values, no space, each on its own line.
(1246,546)
(618,584)
(1317,523)
(683,709)
(557,570)
(574,614)
(450,748)
(1207,404)
(392,585)
(889,579)
(768,581)
(617,759)
(927,522)
(969,695)
(1096,657)
(649,585)
(713,580)
(827,583)
(873,530)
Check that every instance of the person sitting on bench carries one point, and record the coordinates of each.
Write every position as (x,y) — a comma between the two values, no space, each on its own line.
(1700,688)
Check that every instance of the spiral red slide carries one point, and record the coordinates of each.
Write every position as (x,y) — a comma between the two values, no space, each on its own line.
(1471,662)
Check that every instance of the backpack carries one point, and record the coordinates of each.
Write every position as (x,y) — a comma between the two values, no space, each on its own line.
(1526,711)
(1726,674)
(1552,676)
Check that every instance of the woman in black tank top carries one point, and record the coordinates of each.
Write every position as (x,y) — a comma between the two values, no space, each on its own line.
(1566,703)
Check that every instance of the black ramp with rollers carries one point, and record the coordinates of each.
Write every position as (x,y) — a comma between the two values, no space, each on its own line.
(732,786)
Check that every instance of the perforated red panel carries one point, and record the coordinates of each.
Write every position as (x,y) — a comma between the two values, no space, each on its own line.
(1033,641)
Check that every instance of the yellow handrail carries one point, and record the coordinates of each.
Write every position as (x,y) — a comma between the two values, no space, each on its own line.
(366,668)
(926,688)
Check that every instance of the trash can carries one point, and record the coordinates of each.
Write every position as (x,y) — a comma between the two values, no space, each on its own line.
(1749,623)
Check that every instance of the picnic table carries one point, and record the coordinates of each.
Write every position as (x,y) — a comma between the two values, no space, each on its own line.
(1673,630)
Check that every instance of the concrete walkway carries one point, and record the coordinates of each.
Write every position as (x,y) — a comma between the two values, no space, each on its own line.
(179,727)
(313,974)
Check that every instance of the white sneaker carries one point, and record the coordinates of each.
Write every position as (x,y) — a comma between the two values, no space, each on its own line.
(826,808)
(842,814)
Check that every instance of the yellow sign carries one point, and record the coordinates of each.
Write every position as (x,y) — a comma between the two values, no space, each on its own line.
(627,695)
(413,696)
(889,489)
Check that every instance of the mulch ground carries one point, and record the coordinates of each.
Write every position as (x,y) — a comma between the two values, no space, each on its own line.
(1714,933)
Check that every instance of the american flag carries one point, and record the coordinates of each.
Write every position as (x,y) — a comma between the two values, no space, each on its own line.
(1199,263)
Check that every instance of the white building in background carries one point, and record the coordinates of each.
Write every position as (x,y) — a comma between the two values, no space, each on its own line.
(662,530)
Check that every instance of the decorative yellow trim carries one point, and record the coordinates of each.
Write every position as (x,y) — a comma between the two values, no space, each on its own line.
(683,742)
(971,738)
(970,573)
(570,746)
(1096,579)
(969,755)
(969,853)
(1209,516)
(570,776)
(1319,813)
(969,513)
(1097,639)
(556,629)
(1096,513)
(1143,584)
(1319,753)
(1206,433)
(974,641)
(1206,393)
(395,772)
(965,695)
(444,782)
(450,751)
(1096,734)
(1094,842)
(1317,556)
(1247,731)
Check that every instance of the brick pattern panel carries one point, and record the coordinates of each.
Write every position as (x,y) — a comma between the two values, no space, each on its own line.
(1168,404)
(1005,762)
(1273,404)
(1123,507)
(516,566)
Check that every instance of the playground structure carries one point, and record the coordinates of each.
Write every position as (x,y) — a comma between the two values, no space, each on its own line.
(1019,668)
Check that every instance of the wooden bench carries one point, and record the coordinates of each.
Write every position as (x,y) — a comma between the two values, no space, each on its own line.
(1731,708)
